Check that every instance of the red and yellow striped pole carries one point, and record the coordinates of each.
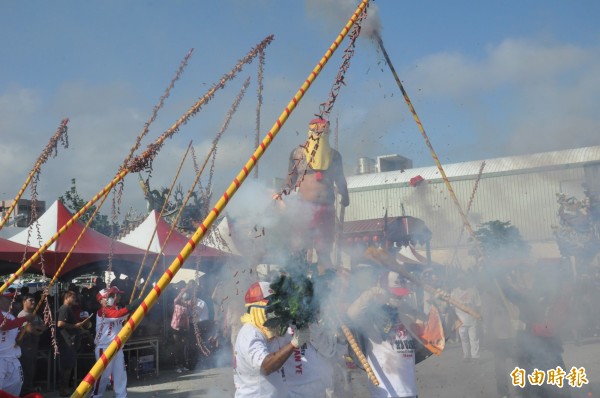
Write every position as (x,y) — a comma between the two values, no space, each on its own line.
(142,160)
(58,233)
(64,262)
(135,319)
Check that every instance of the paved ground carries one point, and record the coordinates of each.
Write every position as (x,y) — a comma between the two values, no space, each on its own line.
(447,376)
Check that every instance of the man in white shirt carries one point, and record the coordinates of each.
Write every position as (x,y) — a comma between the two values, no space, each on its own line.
(11,377)
(109,322)
(309,371)
(259,353)
(469,330)
(390,346)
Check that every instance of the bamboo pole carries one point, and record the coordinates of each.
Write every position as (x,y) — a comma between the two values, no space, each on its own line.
(60,134)
(135,319)
(127,159)
(162,210)
(140,162)
(212,150)
(361,357)
(462,229)
(383,258)
(465,221)
(63,263)
(463,216)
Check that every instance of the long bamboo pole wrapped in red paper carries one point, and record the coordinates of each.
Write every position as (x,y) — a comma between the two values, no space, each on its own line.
(139,314)
(142,161)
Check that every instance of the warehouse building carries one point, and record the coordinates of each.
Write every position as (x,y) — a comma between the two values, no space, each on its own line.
(519,189)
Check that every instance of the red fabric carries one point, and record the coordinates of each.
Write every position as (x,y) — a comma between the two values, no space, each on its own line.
(4,394)
(181,312)
(112,312)
(416,181)
(11,324)
(181,318)
(323,224)
(319,121)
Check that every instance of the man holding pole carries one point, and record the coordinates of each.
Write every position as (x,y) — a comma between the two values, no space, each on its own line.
(109,323)
(314,170)
(11,378)
(393,339)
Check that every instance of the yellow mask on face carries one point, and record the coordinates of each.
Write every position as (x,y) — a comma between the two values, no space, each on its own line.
(256,315)
(318,136)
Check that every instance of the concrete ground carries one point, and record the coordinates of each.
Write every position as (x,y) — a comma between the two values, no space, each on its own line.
(446,376)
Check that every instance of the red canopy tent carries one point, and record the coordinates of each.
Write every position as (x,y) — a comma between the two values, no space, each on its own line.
(11,255)
(140,237)
(93,248)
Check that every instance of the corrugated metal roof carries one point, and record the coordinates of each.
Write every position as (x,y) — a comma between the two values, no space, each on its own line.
(511,164)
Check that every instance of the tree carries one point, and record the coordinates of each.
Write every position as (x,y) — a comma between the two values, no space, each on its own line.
(500,239)
(74,203)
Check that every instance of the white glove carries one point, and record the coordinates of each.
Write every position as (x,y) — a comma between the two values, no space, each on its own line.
(301,337)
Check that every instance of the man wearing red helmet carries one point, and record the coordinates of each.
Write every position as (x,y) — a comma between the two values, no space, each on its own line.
(314,170)
(109,322)
(260,352)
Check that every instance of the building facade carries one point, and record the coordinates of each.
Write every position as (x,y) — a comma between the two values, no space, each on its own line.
(519,189)
(23,213)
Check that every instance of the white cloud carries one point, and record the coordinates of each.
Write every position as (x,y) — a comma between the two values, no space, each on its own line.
(537,95)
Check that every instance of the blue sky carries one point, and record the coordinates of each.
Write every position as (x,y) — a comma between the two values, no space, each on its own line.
(488,79)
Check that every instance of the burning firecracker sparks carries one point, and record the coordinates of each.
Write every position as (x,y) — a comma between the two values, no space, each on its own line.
(228,118)
(326,107)
(261,64)
(144,161)
(137,164)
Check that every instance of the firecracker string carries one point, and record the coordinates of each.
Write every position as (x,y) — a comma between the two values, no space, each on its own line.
(259,89)
(224,127)
(60,136)
(98,368)
(140,162)
(162,210)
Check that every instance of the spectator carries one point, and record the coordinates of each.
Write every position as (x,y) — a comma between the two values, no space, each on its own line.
(469,330)
(15,305)
(68,340)
(10,368)
(29,343)
(180,323)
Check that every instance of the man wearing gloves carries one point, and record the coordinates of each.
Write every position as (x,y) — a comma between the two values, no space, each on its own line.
(109,322)
(393,341)
(309,372)
(260,352)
